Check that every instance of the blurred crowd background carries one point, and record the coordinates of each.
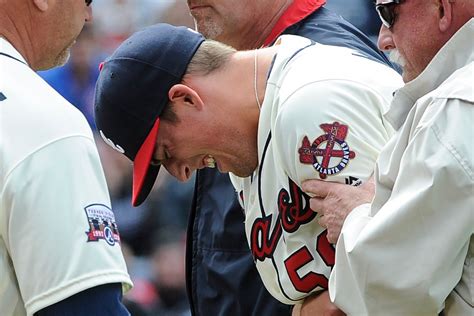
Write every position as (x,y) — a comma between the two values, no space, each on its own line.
(153,235)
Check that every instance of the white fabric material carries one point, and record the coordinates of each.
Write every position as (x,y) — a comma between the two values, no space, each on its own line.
(404,254)
(319,85)
(50,175)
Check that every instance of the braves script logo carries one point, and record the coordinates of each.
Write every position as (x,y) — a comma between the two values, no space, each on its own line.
(101,224)
(294,211)
(335,137)
(292,214)
(109,142)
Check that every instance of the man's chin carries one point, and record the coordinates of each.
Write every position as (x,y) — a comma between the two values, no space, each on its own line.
(208,28)
(60,60)
(63,57)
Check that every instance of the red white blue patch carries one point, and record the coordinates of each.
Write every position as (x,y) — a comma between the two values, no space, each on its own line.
(102,224)
(326,149)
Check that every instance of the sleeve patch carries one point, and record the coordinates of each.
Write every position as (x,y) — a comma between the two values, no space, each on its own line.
(102,224)
(332,144)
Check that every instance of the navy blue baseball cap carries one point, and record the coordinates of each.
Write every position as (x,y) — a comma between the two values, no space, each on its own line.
(132,91)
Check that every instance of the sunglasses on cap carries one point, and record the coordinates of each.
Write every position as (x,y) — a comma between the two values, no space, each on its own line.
(386,11)
(88,2)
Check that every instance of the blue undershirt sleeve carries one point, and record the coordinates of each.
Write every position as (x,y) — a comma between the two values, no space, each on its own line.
(103,300)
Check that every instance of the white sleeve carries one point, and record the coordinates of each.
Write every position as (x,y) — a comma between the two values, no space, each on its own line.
(61,233)
(406,257)
(350,116)
(351,112)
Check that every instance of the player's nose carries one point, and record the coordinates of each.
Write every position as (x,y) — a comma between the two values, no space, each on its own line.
(181,171)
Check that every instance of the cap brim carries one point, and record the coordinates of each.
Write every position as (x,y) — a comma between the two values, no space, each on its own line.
(144,173)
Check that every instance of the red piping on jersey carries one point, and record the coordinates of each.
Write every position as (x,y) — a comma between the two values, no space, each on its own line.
(296,12)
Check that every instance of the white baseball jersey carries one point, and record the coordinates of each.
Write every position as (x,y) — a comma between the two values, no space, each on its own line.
(322,118)
(58,235)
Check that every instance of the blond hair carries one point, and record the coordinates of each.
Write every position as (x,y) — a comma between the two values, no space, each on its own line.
(210,56)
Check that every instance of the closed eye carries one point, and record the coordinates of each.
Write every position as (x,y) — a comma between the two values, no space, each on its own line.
(158,162)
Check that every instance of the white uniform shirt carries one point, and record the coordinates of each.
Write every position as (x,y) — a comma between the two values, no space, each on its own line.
(405,253)
(58,234)
(322,117)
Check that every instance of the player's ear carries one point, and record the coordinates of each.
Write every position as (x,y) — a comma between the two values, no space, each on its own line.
(42,5)
(445,14)
(182,94)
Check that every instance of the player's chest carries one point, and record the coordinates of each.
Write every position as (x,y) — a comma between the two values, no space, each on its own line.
(274,205)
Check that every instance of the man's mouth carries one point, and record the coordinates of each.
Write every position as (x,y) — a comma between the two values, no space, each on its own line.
(209,161)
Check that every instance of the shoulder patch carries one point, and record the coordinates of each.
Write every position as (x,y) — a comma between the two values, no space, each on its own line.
(332,144)
(102,224)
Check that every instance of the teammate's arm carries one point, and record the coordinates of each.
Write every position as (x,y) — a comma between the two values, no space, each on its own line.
(50,225)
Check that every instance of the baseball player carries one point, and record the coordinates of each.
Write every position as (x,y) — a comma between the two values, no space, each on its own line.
(59,244)
(223,254)
(272,118)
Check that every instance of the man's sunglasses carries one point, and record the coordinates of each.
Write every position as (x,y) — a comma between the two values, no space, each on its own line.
(88,2)
(386,11)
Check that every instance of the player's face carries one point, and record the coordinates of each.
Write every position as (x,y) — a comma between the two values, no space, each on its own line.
(409,40)
(192,144)
(68,18)
(228,21)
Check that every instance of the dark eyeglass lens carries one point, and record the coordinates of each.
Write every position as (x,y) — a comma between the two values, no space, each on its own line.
(386,14)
